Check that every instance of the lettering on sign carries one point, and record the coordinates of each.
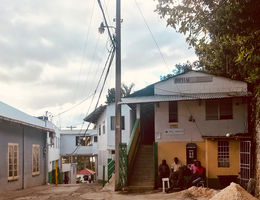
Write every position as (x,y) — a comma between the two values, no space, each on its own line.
(174,131)
(197,79)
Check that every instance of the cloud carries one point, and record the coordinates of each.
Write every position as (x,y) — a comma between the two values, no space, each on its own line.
(51,54)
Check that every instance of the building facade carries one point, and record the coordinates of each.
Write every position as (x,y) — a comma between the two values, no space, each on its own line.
(104,120)
(80,148)
(22,149)
(198,115)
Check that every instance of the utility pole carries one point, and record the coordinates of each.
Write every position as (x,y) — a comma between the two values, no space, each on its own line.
(118,92)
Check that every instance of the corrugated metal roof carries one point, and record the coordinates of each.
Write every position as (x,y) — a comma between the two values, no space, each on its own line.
(182,97)
(10,113)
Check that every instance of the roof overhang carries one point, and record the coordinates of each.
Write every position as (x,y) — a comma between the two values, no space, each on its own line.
(232,136)
(183,97)
(26,124)
(93,117)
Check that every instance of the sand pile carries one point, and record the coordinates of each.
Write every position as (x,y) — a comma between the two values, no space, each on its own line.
(233,192)
(110,186)
(199,192)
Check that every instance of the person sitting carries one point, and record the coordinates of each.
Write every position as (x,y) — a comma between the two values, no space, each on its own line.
(164,170)
(193,167)
(200,174)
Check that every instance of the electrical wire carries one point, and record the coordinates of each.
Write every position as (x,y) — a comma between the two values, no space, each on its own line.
(74,106)
(110,58)
(154,40)
(85,46)
(109,33)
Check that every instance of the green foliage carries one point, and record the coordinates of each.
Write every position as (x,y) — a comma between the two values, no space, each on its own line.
(125,91)
(181,68)
(225,34)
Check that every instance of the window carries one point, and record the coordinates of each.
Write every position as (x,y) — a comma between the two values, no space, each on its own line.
(35,159)
(13,161)
(99,129)
(223,154)
(95,138)
(83,141)
(104,127)
(219,109)
(173,111)
(113,122)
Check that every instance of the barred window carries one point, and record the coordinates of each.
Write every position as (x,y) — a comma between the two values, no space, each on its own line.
(223,154)
(13,161)
(35,159)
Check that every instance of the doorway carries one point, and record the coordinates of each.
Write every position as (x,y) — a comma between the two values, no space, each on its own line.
(147,124)
(245,162)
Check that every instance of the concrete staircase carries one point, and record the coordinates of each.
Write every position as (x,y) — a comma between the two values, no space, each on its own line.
(142,176)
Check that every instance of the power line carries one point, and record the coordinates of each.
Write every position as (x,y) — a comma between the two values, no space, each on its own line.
(74,106)
(85,47)
(156,44)
(110,58)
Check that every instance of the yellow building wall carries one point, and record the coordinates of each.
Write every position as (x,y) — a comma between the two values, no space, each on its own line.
(169,150)
(207,154)
(212,169)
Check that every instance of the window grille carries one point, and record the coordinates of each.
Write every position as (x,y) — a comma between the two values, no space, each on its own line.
(35,159)
(223,154)
(13,161)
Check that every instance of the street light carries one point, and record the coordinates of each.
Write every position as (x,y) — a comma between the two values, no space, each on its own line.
(101,28)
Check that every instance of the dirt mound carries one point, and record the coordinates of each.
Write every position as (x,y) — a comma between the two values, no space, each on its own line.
(233,192)
(199,192)
(110,186)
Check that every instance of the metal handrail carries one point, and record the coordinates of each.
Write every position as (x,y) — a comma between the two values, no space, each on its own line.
(133,145)
(110,168)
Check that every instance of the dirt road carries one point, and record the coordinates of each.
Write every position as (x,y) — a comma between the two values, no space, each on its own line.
(88,191)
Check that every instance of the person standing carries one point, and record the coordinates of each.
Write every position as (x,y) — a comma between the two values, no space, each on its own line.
(175,166)
(164,170)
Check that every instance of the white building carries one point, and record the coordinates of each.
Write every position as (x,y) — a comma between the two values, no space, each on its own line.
(53,140)
(78,146)
(104,119)
(194,115)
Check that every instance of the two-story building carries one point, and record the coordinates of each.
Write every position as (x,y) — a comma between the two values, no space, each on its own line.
(193,115)
(104,119)
(79,148)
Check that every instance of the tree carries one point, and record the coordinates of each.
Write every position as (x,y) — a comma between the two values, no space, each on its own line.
(225,34)
(125,91)
(180,68)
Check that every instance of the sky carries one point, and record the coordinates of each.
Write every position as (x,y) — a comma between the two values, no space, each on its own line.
(52,55)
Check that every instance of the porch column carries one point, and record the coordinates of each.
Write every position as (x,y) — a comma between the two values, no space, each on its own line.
(138,111)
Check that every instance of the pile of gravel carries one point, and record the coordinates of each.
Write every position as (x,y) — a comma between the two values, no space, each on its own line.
(233,192)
